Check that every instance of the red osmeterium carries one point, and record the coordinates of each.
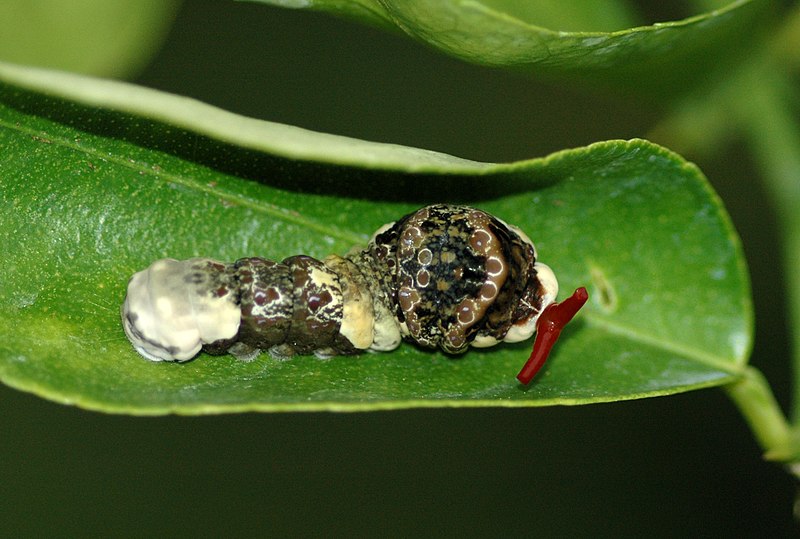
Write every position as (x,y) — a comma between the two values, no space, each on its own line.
(551,322)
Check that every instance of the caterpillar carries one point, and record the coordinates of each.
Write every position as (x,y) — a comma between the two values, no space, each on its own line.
(444,276)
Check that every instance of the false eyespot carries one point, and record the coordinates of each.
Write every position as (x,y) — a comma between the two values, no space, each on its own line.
(444,276)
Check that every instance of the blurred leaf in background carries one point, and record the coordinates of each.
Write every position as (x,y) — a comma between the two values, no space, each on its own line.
(588,41)
(95,37)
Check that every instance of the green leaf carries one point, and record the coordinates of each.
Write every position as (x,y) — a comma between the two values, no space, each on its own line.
(98,179)
(580,39)
(112,39)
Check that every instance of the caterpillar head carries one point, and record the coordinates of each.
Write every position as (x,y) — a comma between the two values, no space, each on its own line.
(462,277)
(175,307)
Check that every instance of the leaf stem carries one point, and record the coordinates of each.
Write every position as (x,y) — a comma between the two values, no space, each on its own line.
(754,398)
(703,122)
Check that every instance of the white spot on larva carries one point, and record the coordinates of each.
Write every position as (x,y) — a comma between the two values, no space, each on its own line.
(484,341)
(322,278)
(166,318)
(386,330)
(357,323)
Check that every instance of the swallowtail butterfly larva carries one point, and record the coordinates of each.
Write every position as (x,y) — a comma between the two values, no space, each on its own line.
(444,276)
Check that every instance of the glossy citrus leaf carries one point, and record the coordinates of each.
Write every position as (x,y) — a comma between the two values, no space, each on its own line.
(585,40)
(98,179)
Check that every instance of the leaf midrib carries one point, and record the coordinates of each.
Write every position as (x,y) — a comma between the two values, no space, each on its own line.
(689,352)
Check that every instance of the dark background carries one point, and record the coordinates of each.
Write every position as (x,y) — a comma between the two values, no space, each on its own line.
(665,467)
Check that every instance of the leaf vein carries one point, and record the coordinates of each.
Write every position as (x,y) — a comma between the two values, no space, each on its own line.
(701,356)
(287,215)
